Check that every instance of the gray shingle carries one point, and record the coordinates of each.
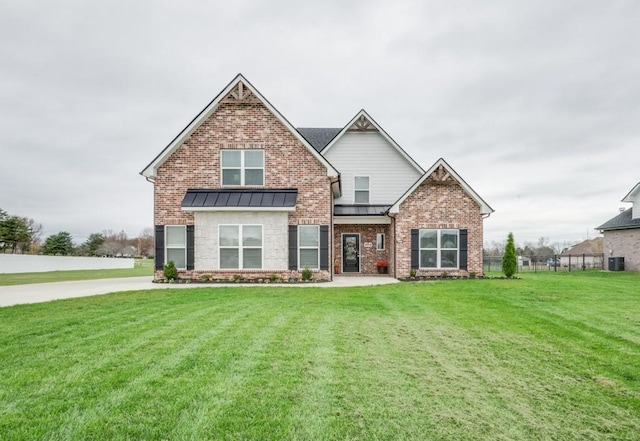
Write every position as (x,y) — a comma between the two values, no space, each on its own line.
(318,137)
(621,221)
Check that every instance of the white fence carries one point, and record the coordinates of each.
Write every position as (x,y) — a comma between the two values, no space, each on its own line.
(23,263)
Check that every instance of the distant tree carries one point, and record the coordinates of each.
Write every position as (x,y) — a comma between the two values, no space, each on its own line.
(509,259)
(146,242)
(14,234)
(93,244)
(60,244)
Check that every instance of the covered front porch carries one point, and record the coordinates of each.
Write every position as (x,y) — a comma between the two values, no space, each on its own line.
(363,243)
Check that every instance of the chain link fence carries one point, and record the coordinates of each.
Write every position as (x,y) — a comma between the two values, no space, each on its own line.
(556,262)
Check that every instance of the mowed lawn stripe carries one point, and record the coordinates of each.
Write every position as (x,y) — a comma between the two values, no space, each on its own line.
(488,359)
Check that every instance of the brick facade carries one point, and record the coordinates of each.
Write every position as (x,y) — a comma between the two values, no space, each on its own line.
(369,255)
(623,243)
(438,204)
(288,164)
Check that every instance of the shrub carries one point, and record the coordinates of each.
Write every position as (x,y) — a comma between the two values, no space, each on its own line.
(306,274)
(170,271)
(205,277)
(509,260)
(274,278)
(412,274)
(237,277)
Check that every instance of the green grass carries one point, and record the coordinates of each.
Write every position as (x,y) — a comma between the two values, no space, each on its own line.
(142,267)
(547,357)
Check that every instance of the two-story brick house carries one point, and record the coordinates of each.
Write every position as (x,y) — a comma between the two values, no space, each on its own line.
(242,191)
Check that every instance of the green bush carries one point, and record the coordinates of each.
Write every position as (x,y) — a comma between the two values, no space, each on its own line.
(170,271)
(306,274)
(509,260)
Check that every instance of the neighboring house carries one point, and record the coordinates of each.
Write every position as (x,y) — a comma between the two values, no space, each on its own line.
(587,253)
(622,232)
(242,191)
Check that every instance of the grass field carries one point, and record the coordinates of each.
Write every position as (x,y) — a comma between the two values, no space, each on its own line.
(142,267)
(547,357)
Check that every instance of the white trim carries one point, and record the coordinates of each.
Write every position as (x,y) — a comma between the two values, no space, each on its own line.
(241,247)
(300,247)
(166,247)
(384,134)
(631,194)
(151,170)
(243,168)
(342,251)
(484,207)
(365,220)
(238,208)
(368,190)
(438,249)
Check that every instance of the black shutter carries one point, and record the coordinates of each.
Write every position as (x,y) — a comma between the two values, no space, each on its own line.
(324,247)
(190,248)
(293,247)
(415,249)
(159,258)
(463,249)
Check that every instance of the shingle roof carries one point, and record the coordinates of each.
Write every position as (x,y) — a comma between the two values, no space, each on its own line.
(360,210)
(318,137)
(235,198)
(620,222)
(589,246)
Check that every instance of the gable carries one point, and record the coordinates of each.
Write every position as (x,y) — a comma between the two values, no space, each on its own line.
(238,91)
(442,173)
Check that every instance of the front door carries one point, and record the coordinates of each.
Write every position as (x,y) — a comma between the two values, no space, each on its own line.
(351,253)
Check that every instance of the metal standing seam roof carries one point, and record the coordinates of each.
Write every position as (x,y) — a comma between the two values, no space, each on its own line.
(360,210)
(621,221)
(225,198)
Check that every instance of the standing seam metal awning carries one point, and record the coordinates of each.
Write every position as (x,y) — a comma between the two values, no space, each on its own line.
(237,199)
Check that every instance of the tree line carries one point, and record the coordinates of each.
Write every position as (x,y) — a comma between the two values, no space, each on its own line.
(543,247)
(22,235)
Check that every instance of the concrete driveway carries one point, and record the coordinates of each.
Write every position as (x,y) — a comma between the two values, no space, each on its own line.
(45,292)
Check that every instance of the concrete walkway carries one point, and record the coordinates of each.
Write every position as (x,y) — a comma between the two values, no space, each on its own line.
(45,292)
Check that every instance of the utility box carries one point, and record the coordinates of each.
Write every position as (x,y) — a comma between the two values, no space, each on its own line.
(616,263)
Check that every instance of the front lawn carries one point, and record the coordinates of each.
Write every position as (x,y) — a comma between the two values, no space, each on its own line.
(142,267)
(547,357)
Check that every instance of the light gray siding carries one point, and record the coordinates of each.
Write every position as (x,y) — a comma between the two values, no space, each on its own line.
(274,236)
(369,154)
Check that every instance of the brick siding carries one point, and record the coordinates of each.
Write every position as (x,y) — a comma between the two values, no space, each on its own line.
(368,255)
(623,243)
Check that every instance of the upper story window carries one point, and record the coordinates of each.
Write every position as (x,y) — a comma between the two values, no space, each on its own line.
(439,248)
(361,187)
(242,167)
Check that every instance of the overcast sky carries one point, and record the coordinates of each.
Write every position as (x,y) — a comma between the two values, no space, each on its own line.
(536,104)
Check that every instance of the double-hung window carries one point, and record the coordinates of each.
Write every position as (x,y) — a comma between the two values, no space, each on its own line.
(240,246)
(176,245)
(439,248)
(361,189)
(242,167)
(309,246)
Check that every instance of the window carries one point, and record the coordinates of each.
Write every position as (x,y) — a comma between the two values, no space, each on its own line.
(439,248)
(361,186)
(240,246)
(242,167)
(176,245)
(380,241)
(309,246)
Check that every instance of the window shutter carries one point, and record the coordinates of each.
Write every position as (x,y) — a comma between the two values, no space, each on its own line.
(190,247)
(293,247)
(324,247)
(415,249)
(159,258)
(463,249)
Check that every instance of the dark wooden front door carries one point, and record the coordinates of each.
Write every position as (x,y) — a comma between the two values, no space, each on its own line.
(351,253)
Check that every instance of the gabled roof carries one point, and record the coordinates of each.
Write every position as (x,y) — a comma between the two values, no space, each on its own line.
(634,191)
(448,171)
(589,246)
(362,122)
(621,222)
(319,137)
(241,83)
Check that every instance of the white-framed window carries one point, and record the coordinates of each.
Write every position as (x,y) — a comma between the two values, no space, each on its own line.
(242,167)
(439,248)
(380,242)
(175,240)
(240,246)
(361,190)
(309,247)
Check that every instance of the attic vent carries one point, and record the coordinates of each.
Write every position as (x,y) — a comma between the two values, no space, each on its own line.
(622,209)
